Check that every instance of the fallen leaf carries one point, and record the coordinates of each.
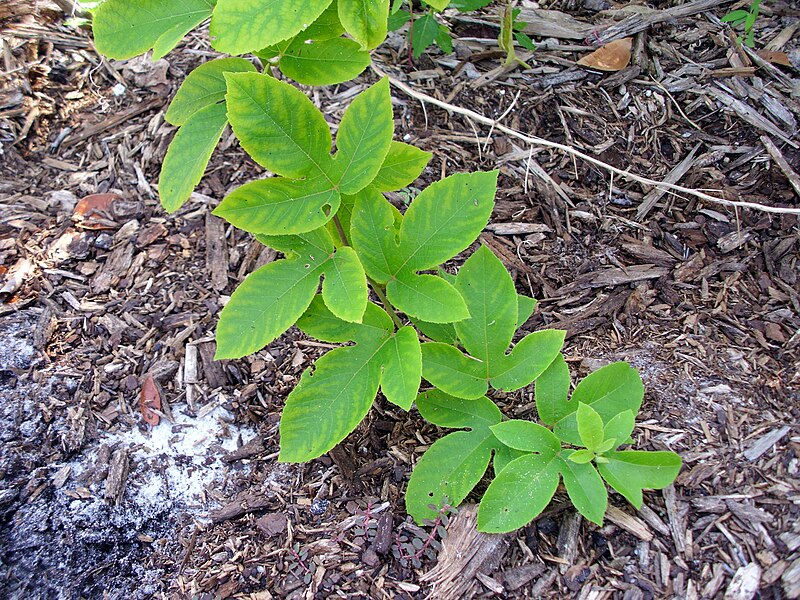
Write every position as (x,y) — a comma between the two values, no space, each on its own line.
(150,399)
(614,56)
(776,58)
(96,211)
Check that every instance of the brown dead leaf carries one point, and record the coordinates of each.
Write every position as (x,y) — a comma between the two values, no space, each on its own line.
(614,56)
(150,399)
(96,211)
(776,58)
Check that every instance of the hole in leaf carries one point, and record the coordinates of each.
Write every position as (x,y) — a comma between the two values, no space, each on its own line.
(326,209)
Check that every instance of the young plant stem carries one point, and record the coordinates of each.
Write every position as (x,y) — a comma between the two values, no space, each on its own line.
(372,283)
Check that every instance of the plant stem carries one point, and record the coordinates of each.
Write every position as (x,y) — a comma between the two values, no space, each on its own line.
(385,301)
(372,283)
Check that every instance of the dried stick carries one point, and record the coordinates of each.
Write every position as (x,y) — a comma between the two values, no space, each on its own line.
(537,141)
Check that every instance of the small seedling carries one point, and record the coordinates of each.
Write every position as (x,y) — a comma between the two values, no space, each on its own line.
(747,20)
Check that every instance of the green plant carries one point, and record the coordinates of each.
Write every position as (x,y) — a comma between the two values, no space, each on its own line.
(425,29)
(510,30)
(747,19)
(341,238)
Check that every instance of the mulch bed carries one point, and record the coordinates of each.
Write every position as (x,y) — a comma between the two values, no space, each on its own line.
(702,298)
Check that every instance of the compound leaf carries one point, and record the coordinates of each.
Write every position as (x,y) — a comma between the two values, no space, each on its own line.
(280,206)
(278,125)
(125,28)
(492,302)
(203,87)
(631,471)
(585,488)
(519,493)
(188,155)
(365,20)
(526,436)
(324,62)
(402,165)
(364,138)
(240,26)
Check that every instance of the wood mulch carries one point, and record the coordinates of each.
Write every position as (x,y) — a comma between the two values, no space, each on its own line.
(102,297)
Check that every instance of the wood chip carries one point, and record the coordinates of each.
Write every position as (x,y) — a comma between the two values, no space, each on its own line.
(629,523)
(745,583)
(765,442)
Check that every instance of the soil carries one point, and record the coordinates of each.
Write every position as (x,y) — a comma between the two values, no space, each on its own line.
(702,298)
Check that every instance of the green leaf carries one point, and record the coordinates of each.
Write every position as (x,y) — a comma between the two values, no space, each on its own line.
(439,223)
(402,368)
(398,19)
(526,436)
(344,288)
(735,15)
(426,297)
(443,39)
(426,28)
(240,26)
(631,471)
(438,332)
(529,359)
(203,87)
(273,298)
(503,455)
(324,62)
(402,165)
(552,391)
(373,233)
(452,372)
(585,488)
(364,138)
(344,383)
(590,427)
(279,206)
(318,321)
(525,308)
(611,390)
(331,399)
(188,155)
(125,28)
(519,493)
(448,471)
(620,427)
(447,411)
(469,5)
(438,5)
(582,456)
(445,218)
(525,41)
(492,302)
(326,27)
(365,20)
(278,125)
